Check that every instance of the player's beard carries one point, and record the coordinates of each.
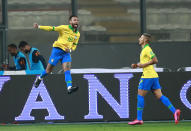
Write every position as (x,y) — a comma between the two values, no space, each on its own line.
(75,26)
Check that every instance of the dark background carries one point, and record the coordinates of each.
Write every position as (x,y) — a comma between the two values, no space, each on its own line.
(107,55)
(119,55)
(170,55)
(75,106)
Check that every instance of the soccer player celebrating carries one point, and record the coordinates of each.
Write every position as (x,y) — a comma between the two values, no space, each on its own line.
(149,81)
(62,47)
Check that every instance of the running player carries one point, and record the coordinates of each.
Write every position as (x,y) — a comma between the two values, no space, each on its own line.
(149,80)
(66,43)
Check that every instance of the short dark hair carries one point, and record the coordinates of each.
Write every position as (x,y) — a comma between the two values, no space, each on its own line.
(12,46)
(23,44)
(72,17)
(148,36)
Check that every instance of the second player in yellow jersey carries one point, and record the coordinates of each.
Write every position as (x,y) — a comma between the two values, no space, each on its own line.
(149,81)
(146,56)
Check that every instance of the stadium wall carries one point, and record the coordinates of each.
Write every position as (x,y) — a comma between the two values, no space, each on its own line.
(102,97)
(119,55)
(170,55)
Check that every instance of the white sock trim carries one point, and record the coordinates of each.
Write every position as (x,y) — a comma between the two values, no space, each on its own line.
(40,78)
(69,87)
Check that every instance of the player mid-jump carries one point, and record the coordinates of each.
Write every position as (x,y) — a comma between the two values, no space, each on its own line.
(62,47)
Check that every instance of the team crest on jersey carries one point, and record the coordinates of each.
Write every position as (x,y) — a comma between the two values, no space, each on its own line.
(152,54)
(75,37)
(52,60)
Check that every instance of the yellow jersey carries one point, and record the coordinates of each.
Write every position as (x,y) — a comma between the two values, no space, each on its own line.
(146,56)
(68,39)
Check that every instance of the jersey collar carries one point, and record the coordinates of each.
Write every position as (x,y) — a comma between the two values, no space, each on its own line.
(73,29)
(145,46)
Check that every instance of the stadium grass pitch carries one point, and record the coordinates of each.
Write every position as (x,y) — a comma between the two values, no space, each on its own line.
(148,126)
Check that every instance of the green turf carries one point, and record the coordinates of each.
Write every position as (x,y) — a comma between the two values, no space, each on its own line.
(182,126)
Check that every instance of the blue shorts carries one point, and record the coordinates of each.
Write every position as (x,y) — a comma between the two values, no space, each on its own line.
(59,54)
(149,84)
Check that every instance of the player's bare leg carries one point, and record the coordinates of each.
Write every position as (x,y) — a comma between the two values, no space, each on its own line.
(142,92)
(157,93)
(140,106)
(66,67)
(167,103)
(48,70)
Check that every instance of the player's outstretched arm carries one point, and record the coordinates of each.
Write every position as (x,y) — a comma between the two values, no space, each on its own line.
(47,28)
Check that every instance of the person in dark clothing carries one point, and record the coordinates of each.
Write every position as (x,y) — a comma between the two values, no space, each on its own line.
(37,61)
(19,58)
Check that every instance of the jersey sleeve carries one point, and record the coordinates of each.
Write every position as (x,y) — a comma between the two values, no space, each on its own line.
(35,56)
(22,63)
(51,28)
(151,54)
